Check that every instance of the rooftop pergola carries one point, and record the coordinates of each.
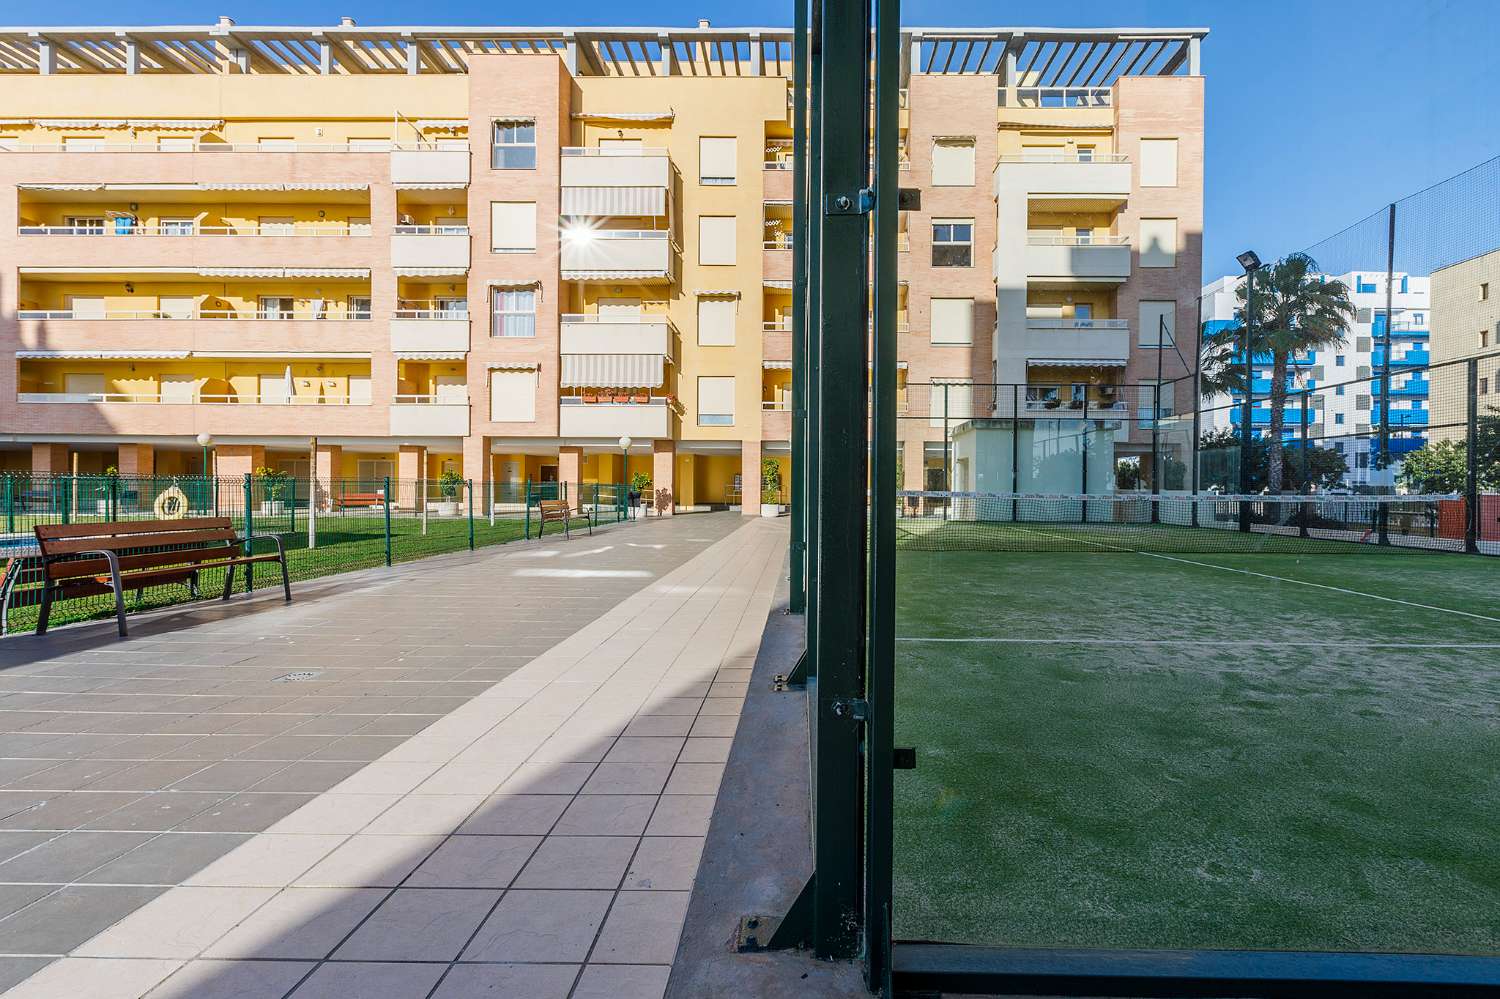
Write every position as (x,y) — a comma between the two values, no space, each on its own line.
(1052,57)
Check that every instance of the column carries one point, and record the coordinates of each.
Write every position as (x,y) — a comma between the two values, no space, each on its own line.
(136,460)
(750,478)
(411,468)
(663,475)
(329,470)
(479,468)
(49,459)
(570,471)
(237,460)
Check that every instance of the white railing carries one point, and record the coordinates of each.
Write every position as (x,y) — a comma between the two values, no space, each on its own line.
(249,229)
(67,314)
(1048,98)
(785,164)
(607,399)
(776,406)
(1064,158)
(436,229)
(614,151)
(778,242)
(429,400)
(225,147)
(454,314)
(196,399)
(1093,408)
(642,318)
(1098,239)
(1078,324)
(776,326)
(589,234)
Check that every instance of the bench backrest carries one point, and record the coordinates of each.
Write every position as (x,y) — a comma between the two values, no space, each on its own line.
(190,539)
(554,509)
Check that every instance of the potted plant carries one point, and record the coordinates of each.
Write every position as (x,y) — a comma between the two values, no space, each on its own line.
(449,483)
(273,482)
(640,483)
(111,479)
(770,488)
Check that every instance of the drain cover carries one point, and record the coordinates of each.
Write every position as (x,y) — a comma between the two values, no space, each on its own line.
(306,674)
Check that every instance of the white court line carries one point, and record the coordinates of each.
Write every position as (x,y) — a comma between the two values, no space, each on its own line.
(1279,579)
(1194,641)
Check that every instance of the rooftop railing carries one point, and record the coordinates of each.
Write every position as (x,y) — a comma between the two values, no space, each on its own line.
(613,151)
(224,147)
(1098,239)
(197,398)
(1056,97)
(189,229)
(1076,157)
(1078,324)
(216,314)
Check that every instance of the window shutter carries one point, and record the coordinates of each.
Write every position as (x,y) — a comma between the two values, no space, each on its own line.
(716,159)
(1158,243)
(1153,314)
(716,322)
(512,396)
(952,320)
(716,400)
(953,163)
(716,237)
(959,405)
(512,225)
(1158,163)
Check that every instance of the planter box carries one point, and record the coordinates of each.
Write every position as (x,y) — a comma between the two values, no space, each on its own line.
(772,510)
(272,508)
(444,508)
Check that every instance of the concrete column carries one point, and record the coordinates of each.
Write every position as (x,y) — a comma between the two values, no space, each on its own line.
(239,459)
(137,459)
(411,466)
(570,470)
(478,466)
(663,475)
(330,468)
(50,458)
(750,478)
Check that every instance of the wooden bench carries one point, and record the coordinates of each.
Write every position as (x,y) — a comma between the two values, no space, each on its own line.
(348,500)
(80,560)
(557,510)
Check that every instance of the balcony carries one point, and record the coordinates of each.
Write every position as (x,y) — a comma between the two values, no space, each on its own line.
(422,330)
(616,255)
(775,424)
(1077,341)
(188,245)
(1090,182)
(1074,260)
(150,414)
(776,340)
(430,250)
(438,169)
(603,182)
(429,416)
(611,420)
(594,334)
(1056,98)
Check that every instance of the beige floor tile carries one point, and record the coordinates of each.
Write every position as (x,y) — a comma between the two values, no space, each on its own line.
(547,778)
(540,926)
(695,778)
(467,778)
(682,815)
(574,747)
(578,862)
(298,923)
(642,928)
(423,815)
(365,861)
(516,814)
(95,978)
(335,813)
(671,706)
(714,726)
(705,750)
(606,815)
(231,980)
(659,725)
(728,706)
(370,980)
(644,749)
(665,863)
(427,924)
(386,778)
(474,862)
(502,981)
(270,860)
(177,924)
(628,778)
(623,981)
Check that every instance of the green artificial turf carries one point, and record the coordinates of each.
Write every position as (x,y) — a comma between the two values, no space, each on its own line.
(1184,756)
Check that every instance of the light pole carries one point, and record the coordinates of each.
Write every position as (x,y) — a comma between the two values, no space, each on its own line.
(625,443)
(1251,263)
(204,440)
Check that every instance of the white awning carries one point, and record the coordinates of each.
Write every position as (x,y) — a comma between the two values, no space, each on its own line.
(776,365)
(442,124)
(779,202)
(103,355)
(666,115)
(784,285)
(592,201)
(1073,362)
(716,292)
(513,366)
(587,275)
(430,355)
(431,271)
(284,272)
(81,122)
(327,272)
(444,185)
(311,186)
(61,187)
(612,370)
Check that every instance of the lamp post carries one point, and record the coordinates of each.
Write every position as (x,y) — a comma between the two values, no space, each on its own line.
(1251,263)
(625,443)
(204,440)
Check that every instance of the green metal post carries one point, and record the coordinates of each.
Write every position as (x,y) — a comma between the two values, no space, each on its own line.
(291,503)
(1383,455)
(843,34)
(526,504)
(812,320)
(470,485)
(1306,465)
(10,504)
(385,501)
(1471,458)
(798,600)
(66,489)
(249,531)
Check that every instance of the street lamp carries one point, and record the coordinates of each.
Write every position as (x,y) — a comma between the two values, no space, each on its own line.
(625,443)
(204,440)
(1251,263)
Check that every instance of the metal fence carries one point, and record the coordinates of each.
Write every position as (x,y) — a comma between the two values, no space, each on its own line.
(328,527)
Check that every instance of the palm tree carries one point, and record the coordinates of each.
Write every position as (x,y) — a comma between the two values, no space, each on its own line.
(1297,309)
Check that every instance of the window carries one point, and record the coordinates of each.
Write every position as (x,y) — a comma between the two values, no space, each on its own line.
(953,162)
(952,242)
(1085,154)
(176,227)
(1362,460)
(1083,235)
(952,400)
(85,225)
(1484,291)
(1338,360)
(1484,338)
(275,307)
(1158,242)
(513,395)
(513,226)
(1083,312)
(716,160)
(715,401)
(513,312)
(1158,162)
(357,306)
(1338,390)
(1338,418)
(716,239)
(716,322)
(1158,324)
(952,320)
(513,145)
(450,308)
(1484,386)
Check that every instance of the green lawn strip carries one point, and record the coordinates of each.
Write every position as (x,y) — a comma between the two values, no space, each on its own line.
(1135,795)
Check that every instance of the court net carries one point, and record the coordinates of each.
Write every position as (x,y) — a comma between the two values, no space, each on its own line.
(965,521)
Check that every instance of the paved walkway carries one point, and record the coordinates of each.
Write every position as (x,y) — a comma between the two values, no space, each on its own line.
(495,781)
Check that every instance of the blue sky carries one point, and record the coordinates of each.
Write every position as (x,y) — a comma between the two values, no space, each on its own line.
(1319,111)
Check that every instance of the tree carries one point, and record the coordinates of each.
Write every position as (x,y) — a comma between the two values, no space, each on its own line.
(1296,309)
(1218,456)
(1443,466)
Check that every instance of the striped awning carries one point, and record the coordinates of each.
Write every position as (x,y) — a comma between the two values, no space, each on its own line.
(613,370)
(592,201)
(598,275)
(103,355)
(783,285)
(291,186)
(776,365)
(431,271)
(666,115)
(443,124)
(441,185)
(716,292)
(1073,362)
(513,366)
(284,272)
(430,355)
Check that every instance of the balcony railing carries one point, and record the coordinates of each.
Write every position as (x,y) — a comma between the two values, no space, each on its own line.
(1098,239)
(197,398)
(779,241)
(613,151)
(1064,158)
(610,399)
(248,229)
(1077,324)
(427,399)
(431,313)
(1047,98)
(776,405)
(226,147)
(437,229)
(68,315)
(776,326)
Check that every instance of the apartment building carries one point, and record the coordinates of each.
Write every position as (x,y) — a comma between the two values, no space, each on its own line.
(352,252)
(1466,307)
(1346,417)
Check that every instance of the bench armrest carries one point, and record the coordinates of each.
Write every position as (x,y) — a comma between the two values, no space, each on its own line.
(276,538)
(109,556)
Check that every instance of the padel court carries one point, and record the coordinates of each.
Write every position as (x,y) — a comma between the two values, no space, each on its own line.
(1130,737)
